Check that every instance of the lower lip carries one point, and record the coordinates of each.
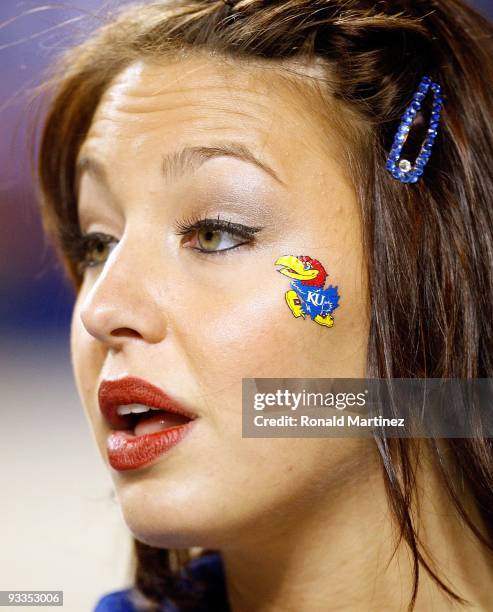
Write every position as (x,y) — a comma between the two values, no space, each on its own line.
(128,452)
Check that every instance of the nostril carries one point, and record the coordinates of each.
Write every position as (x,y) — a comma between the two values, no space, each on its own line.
(126,331)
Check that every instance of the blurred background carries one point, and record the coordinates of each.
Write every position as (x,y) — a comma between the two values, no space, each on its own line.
(60,526)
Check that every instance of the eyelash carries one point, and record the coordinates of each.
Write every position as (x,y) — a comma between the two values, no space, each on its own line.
(194,223)
(78,247)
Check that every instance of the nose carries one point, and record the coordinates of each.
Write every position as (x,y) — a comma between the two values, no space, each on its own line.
(124,303)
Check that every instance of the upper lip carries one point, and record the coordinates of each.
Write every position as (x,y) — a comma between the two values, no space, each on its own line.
(133,390)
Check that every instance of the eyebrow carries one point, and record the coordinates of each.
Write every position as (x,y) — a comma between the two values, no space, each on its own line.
(177,163)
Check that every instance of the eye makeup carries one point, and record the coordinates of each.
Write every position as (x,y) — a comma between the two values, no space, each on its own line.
(216,226)
(90,250)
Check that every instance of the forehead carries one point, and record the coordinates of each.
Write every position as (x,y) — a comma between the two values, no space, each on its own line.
(177,102)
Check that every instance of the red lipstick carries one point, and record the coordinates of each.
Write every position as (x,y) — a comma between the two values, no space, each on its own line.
(139,438)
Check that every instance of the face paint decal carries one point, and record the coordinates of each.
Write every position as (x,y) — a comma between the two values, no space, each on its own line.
(307,294)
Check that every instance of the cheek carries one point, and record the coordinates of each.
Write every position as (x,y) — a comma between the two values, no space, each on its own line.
(245,329)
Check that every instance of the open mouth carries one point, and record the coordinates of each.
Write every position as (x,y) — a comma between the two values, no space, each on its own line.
(140,420)
(145,421)
(141,434)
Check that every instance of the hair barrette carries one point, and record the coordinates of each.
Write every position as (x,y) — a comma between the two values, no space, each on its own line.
(402,169)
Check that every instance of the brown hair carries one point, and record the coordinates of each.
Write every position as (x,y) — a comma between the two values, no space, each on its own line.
(429,246)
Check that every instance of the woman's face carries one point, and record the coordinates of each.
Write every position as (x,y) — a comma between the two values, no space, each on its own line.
(195,323)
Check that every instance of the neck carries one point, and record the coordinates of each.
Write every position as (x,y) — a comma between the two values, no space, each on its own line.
(337,554)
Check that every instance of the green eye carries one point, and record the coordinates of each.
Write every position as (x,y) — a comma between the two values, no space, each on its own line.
(212,236)
(99,253)
(210,240)
(94,250)
(216,235)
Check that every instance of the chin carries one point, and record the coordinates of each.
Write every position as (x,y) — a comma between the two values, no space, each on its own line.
(181,533)
(164,538)
(161,515)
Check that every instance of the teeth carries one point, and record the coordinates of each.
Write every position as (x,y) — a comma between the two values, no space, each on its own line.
(134,409)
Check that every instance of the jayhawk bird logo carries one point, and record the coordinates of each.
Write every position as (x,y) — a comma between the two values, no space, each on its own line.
(307,293)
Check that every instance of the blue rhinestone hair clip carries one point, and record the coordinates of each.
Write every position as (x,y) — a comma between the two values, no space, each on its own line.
(402,169)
